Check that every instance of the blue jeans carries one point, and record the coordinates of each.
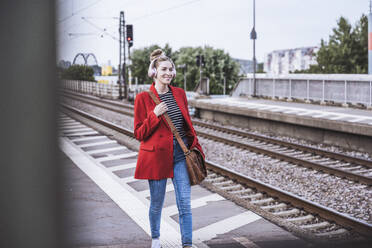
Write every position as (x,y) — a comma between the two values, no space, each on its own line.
(182,189)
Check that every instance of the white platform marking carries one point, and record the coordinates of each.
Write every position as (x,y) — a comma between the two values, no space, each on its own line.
(111,149)
(225,225)
(357,120)
(88,138)
(120,194)
(119,156)
(85,129)
(122,167)
(146,193)
(245,242)
(287,110)
(64,128)
(196,203)
(77,128)
(82,133)
(108,141)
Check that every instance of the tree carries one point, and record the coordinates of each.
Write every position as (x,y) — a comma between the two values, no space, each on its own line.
(79,72)
(346,50)
(218,65)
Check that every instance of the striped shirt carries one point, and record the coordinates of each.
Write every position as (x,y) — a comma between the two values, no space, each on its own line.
(174,112)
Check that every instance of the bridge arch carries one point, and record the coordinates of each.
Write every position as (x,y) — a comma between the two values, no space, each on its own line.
(85,57)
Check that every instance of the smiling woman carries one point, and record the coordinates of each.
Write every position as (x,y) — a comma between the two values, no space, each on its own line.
(160,155)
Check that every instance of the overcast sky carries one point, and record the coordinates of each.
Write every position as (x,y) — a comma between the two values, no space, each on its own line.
(280,24)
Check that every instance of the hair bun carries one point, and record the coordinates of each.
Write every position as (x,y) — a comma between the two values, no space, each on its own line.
(156,54)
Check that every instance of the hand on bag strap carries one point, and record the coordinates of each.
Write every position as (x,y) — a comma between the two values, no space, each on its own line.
(171,125)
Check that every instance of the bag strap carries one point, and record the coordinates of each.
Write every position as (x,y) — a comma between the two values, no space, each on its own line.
(171,125)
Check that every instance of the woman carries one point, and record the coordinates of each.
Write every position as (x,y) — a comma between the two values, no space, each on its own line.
(160,156)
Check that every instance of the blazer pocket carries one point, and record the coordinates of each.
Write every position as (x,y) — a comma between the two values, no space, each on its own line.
(149,148)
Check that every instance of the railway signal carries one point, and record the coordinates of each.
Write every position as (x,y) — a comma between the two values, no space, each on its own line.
(130,35)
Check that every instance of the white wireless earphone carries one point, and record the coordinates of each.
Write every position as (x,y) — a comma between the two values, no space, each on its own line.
(152,70)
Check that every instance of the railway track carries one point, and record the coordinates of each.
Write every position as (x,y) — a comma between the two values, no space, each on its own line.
(341,165)
(306,219)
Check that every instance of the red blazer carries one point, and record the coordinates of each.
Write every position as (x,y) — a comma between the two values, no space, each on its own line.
(155,158)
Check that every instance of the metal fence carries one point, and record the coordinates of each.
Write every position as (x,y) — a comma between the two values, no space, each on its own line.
(340,88)
(110,91)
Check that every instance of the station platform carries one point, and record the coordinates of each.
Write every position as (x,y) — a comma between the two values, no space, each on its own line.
(347,127)
(104,206)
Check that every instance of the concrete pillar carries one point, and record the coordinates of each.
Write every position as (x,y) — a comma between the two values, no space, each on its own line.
(30,176)
(370,43)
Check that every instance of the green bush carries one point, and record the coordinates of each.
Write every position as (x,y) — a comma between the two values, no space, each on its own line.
(79,72)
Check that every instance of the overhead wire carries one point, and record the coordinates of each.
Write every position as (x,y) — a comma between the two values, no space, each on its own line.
(165,10)
(78,11)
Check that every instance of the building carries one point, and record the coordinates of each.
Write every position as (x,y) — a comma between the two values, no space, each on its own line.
(106,70)
(246,66)
(290,60)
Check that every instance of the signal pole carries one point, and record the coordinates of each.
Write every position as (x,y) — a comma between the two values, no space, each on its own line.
(129,38)
(122,57)
(254,37)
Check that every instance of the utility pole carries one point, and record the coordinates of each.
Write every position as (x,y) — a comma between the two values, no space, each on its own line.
(121,48)
(254,37)
(122,58)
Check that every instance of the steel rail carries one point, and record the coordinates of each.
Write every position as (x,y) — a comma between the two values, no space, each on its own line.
(317,151)
(334,155)
(327,169)
(298,161)
(358,226)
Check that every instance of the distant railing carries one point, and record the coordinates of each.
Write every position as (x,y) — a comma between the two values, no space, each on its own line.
(110,91)
(346,89)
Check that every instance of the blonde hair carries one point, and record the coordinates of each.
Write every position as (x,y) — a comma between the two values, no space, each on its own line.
(156,57)
(159,56)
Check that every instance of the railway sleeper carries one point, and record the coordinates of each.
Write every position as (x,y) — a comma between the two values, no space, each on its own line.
(352,168)
(333,233)
(295,153)
(287,213)
(320,160)
(361,171)
(276,207)
(242,191)
(221,184)
(263,201)
(316,226)
(343,165)
(301,219)
(305,155)
(215,180)
(281,149)
(232,187)
(330,163)
(251,196)
(211,175)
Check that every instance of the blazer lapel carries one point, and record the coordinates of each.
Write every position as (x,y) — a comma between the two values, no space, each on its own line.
(152,88)
(180,103)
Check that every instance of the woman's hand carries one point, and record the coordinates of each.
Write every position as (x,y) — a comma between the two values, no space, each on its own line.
(160,109)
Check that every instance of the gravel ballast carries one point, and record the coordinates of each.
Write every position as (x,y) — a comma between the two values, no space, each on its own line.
(343,195)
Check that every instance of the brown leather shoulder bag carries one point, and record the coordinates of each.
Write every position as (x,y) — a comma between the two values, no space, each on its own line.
(194,159)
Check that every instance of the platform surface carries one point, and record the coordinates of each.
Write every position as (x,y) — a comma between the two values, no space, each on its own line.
(106,207)
(346,114)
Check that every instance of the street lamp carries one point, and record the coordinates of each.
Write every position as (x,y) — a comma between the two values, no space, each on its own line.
(254,37)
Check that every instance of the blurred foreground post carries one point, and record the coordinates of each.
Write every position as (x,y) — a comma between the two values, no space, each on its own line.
(29,177)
